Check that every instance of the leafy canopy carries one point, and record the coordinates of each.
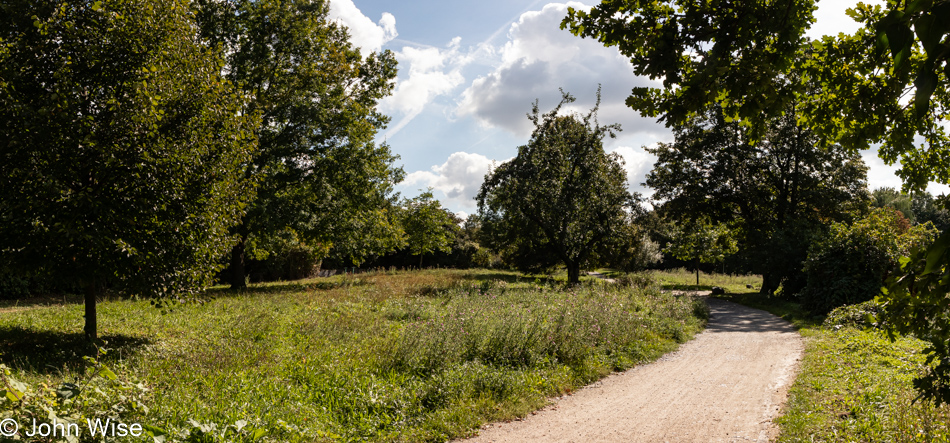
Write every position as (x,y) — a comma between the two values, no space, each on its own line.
(774,191)
(318,170)
(561,198)
(743,55)
(122,150)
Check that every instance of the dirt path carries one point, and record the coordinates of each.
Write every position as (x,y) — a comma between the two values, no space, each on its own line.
(724,386)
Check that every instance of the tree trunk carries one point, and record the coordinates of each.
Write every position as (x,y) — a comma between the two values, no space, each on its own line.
(696,265)
(768,286)
(236,274)
(420,261)
(573,273)
(91,329)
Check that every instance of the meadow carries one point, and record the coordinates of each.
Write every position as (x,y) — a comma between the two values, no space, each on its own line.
(386,356)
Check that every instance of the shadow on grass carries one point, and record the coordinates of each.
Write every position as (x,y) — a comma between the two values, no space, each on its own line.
(283,287)
(47,351)
(40,301)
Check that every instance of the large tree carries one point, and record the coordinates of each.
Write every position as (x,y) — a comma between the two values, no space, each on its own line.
(852,89)
(318,170)
(122,149)
(561,198)
(774,189)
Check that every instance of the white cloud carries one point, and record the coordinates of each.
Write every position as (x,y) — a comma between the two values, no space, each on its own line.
(638,163)
(539,58)
(432,72)
(363,32)
(831,18)
(459,178)
(881,175)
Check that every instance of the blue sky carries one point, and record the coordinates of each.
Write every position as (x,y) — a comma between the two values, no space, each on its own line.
(470,71)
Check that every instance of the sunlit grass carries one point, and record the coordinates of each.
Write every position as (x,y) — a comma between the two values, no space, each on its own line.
(382,356)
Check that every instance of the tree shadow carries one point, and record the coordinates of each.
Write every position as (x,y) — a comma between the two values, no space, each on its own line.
(726,316)
(283,287)
(53,352)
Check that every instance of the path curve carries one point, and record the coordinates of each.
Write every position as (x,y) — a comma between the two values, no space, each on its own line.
(726,385)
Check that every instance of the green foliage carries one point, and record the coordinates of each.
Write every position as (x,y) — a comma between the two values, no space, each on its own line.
(99,394)
(123,150)
(916,299)
(856,385)
(775,192)
(752,59)
(894,199)
(861,315)
(318,170)
(560,199)
(428,226)
(498,328)
(850,265)
(703,242)
(282,256)
(704,52)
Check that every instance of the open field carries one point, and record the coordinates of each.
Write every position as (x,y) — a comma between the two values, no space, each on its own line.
(854,384)
(407,356)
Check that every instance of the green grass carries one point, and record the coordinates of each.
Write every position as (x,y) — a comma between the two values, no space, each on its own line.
(403,356)
(685,280)
(855,385)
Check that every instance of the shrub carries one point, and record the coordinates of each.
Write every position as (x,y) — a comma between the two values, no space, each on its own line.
(850,264)
(861,315)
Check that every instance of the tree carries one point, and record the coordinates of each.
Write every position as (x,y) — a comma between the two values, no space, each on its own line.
(428,226)
(561,198)
(775,191)
(849,265)
(702,242)
(851,89)
(887,197)
(318,169)
(122,150)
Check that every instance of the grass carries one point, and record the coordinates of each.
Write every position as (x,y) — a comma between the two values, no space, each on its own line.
(391,356)
(854,385)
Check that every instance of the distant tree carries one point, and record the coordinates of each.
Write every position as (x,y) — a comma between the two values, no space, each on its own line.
(774,191)
(892,198)
(701,242)
(560,199)
(318,170)
(428,226)
(122,150)
(927,208)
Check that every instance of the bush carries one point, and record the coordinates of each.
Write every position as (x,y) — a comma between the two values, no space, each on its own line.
(284,256)
(850,264)
(861,315)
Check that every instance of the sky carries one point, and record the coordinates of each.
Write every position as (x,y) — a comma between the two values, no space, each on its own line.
(469,72)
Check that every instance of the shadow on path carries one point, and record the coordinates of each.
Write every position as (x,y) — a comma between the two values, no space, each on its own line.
(732,317)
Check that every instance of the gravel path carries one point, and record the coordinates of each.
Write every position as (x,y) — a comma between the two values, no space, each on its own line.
(726,385)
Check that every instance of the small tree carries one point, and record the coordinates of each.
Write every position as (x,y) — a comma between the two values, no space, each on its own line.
(122,150)
(701,242)
(561,198)
(428,226)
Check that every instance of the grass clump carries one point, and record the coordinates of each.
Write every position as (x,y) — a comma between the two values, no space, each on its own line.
(393,356)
